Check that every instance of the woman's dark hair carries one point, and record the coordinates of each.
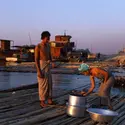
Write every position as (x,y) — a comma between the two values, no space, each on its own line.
(45,34)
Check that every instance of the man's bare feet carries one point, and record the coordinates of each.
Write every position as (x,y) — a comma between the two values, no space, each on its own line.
(50,102)
(43,104)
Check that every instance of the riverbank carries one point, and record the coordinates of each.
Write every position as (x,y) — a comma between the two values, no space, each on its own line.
(30,67)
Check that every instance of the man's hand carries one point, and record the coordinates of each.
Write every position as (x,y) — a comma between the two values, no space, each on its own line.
(53,65)
(40,75)
(48,61)
(85,94)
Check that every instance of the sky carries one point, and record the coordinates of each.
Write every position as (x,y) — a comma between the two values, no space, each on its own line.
(98,25)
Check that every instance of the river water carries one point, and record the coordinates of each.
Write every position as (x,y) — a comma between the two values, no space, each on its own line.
(16,79)
(10,80)
(60,81)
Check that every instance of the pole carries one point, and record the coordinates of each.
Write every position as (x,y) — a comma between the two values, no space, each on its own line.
(30,39)
(91,48)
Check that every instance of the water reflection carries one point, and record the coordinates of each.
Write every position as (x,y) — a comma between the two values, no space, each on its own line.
(60,81)
(14,79)
(4,80)
(69,81)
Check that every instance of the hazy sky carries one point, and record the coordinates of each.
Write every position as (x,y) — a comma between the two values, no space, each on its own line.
(95,24)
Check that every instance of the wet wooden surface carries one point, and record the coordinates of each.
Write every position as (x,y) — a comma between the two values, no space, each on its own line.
(22,108)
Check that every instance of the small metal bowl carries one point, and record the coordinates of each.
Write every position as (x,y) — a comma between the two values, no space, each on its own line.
(101,115)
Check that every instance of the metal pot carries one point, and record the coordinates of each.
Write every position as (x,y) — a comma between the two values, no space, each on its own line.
(76,111)
(76,106)
(101,115)
(77,100)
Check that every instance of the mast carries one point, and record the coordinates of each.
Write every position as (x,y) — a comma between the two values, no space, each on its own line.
(30,39)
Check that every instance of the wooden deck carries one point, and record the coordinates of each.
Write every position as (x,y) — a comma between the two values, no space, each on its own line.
(22,108)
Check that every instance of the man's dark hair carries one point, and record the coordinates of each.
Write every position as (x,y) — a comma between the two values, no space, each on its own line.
(45,34)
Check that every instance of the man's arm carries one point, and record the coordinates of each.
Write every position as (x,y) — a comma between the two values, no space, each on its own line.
(37,59)
(92,86)
(51,60)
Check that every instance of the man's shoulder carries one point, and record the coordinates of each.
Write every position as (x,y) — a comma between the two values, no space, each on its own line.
(38,46)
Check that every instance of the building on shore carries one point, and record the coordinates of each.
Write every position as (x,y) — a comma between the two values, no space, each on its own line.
(61,46)
(26,53)
(9,52)
(5,49)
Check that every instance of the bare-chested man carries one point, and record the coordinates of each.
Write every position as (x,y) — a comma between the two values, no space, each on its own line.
(42,57)
(107,81)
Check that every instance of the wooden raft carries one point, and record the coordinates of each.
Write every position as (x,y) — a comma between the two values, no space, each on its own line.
(22,107)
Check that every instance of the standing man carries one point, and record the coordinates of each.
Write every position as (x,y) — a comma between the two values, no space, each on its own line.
(42,58)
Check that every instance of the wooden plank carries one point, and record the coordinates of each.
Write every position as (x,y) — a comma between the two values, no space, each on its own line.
(55,121)
(90,122)
(121,112)
(121,117)
(79,121)
(41,117)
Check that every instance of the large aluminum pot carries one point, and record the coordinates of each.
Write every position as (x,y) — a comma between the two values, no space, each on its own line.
(77,100)
(76,111)
(101,115)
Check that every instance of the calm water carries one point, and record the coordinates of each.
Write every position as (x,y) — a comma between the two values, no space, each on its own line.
(62,81)
(16,79)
